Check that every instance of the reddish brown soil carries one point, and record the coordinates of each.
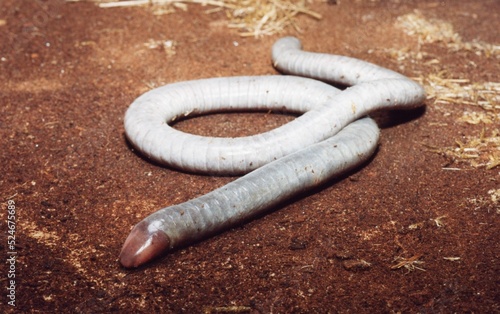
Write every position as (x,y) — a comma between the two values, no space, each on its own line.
(68,72)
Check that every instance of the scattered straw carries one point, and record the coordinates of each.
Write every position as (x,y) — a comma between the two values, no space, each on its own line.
(481,151)
(250,17)
(478,151)
(267,17)
(481,202)
(445,90)
(475,117)
(484,98)
(437,31)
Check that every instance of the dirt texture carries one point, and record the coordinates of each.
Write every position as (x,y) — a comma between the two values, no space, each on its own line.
(415,230)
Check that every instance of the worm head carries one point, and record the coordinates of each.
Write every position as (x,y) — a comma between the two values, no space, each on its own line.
(144,243)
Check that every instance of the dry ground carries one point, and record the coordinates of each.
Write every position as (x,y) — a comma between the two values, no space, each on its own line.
(413,231)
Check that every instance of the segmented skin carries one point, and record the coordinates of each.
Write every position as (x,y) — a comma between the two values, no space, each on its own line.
(330,137)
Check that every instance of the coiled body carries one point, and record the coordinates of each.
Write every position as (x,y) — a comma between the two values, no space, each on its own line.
(330,137)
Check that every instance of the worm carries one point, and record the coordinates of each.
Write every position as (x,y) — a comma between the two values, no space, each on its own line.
(332,135)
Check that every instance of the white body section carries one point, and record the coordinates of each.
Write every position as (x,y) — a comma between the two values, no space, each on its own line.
(330,137)
(326,110)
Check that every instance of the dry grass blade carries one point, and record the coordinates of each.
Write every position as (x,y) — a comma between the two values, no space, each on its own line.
(409,263)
